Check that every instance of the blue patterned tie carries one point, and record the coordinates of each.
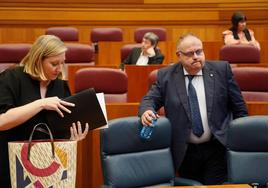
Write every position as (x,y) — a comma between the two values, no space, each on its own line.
(197,126)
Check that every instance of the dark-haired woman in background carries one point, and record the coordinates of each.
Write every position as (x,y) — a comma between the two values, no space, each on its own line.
(239,33)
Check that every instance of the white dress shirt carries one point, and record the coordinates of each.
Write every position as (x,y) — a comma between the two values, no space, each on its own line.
(198,83)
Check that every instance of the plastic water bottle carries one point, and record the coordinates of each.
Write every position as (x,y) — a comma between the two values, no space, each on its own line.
(147,131)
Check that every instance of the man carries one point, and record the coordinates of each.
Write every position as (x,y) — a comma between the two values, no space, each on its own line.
(198,123)
(147,54)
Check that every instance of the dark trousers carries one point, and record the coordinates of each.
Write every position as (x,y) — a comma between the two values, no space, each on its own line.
(205,163)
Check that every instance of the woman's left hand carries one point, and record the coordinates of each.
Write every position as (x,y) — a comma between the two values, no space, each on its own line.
(76,131)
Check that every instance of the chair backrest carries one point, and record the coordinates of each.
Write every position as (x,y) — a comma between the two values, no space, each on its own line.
(64,33)
(126,49)
(13,52)
(252,82)
(112,82)
(160,32)
(240,54)
(106,34)
(80,53)
(152,78)
(129,161)
(247,153)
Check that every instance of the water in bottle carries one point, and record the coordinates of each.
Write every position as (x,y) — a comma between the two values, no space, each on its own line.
(147,131)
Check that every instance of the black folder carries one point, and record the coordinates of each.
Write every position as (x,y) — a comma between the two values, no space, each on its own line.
(86,110)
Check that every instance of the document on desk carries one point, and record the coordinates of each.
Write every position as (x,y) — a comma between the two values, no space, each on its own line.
(89,108)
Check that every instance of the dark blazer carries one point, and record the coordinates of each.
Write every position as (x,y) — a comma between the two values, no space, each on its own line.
(223,98)
(135,54)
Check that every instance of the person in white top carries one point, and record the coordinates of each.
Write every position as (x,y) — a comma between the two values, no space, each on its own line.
(147,54)
(239,33)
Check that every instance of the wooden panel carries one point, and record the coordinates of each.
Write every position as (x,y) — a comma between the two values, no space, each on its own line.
(138,80)
(257,108)
(85,15)
(75,1)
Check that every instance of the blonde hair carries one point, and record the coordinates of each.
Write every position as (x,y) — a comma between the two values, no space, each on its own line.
(45,46)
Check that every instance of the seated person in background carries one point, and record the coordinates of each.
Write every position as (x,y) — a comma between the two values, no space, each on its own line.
(239,33)
(145,55)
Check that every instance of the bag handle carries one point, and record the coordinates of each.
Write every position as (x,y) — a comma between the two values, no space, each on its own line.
(47,131)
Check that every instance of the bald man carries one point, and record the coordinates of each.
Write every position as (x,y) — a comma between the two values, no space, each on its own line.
(200,99)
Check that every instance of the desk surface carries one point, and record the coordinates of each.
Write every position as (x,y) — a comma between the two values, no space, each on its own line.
(218,186)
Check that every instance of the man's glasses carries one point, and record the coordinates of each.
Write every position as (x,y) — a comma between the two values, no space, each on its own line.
(191,54)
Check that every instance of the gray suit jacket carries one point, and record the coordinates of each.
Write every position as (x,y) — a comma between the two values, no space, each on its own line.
(223,98)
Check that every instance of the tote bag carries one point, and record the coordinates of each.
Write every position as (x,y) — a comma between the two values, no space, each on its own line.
(42,163)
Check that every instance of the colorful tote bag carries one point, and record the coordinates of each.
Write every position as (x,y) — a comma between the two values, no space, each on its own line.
(43,163)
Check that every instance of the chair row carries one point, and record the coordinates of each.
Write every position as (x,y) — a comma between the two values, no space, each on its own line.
(71,34)
(246,153)
(231,53)
(114,83)
(251,80)
(12,54)
(82,53)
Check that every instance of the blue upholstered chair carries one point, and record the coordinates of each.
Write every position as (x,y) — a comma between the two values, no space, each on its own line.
(247,153)
(129,161)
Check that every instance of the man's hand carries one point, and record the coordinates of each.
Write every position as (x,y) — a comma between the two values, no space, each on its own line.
(148,116)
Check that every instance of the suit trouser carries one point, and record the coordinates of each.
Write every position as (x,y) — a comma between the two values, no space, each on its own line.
(205,162)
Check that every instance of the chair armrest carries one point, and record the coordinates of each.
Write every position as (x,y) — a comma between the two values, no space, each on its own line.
(185,182)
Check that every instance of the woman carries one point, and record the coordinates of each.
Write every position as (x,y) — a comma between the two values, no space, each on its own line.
(145,55)
(239,33)
(28,91)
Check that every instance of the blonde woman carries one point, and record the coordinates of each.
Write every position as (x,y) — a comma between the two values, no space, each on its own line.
(30,89)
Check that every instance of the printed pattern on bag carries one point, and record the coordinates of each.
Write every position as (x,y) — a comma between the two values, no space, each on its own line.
(42,170)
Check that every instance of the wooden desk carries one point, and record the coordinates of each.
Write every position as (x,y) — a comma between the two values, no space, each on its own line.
(217,186)
(138,80)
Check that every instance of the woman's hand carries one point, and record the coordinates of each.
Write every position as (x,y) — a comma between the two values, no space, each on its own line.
(76,131)
(56,104)
(151,52)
